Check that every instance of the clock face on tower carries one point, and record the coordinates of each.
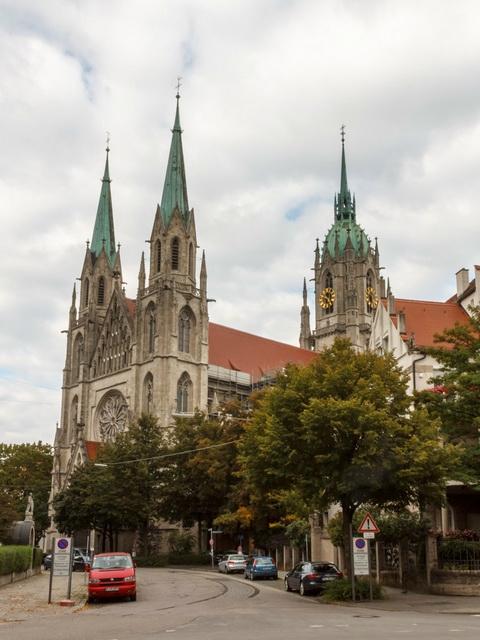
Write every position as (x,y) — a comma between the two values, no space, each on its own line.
(371,298)
(327,298)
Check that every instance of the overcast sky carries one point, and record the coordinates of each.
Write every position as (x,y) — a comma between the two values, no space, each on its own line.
(266,87)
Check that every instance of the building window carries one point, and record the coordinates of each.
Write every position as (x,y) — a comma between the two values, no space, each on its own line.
(86,291)
(148,394)
(175,253)
(77,357)
(184,394)
(101,290)
(185,322)
(151,331)
(158,256)
(191,269)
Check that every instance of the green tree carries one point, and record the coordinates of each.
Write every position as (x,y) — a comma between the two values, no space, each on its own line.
(24,469)
(341,431)
(122,494)
(455,398)
(198,485)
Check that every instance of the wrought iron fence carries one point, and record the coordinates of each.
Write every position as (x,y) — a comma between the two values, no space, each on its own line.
(459,555)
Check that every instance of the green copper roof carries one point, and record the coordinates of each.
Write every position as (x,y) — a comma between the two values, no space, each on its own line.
(175,187)
(339,234)
(103,232)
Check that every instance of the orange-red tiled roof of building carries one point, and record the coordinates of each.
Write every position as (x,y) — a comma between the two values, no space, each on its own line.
(131,306)
(241,351)
(92,449)
(424,318)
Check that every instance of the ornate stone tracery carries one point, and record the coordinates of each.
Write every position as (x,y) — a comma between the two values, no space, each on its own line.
(112,416)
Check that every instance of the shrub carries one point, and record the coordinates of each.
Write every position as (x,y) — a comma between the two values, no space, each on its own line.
(14,559)
(158,560)
(181,542)
(342,590)
(37,557)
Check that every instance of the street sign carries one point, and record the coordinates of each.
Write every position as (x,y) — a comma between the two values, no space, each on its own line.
(360,557)
(62,557)
(368,525)
(369,535)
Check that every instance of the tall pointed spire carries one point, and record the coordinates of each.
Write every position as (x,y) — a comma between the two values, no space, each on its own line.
(175,186)
(103,231)
(305,332)
(344,207)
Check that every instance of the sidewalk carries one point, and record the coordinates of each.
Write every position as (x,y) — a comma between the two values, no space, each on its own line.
(22,600)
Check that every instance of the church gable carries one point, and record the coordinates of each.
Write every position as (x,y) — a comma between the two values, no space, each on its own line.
(113,349)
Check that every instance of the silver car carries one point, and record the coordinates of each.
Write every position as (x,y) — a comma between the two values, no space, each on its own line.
(233,563)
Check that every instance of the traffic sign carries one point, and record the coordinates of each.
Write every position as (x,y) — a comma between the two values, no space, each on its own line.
(360,557)
(369,535)
(368,525)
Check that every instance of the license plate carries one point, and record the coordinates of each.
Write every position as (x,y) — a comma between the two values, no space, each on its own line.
(111,588)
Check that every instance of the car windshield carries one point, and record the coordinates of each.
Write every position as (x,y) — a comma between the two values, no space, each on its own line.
(264,561)
(112,562)
(324,568)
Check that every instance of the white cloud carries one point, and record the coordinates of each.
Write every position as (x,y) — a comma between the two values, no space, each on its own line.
(266,86)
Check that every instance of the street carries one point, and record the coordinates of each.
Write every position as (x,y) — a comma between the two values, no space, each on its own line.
(201,605)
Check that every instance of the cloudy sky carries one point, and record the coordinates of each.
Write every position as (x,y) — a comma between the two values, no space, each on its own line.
(266,86)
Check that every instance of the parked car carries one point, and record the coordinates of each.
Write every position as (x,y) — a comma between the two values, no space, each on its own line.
(80,560)
(311,577)
(232,563)
(221,555)
(260,567)
(112,575)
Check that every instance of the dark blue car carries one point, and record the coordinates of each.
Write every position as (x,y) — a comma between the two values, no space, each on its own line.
(261,567)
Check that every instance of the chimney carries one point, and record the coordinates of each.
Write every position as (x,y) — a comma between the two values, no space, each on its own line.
(462,281)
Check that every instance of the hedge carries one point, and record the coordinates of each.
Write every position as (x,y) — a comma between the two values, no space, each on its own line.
(342,590)
(16,558)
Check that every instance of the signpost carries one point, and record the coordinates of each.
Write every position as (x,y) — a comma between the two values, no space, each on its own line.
(212,533)
(62,556)
(368,528)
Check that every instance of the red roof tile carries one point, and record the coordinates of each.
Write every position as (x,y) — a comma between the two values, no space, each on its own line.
(240,351)
(92,448)
(424,319)
(131,306)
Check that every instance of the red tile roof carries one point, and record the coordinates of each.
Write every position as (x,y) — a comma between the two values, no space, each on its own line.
(424,319)
(92,448)
(240,351)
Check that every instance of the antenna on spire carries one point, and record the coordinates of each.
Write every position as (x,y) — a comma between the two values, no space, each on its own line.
(342,133)
(179,84)
(108,140)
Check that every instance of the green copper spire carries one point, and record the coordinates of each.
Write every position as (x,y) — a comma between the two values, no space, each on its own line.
(103,232)
(175,187)
(344,207)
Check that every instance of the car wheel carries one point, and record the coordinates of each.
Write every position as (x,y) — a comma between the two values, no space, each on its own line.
(90,600)
(286,586)
(302,589)
(133,598)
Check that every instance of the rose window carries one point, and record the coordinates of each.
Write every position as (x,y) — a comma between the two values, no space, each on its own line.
(113,417)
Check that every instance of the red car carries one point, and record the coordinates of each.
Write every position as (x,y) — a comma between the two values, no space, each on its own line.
(112,575)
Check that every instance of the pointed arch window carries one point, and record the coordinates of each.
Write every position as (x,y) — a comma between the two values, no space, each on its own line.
(151,331)
(148,394)
(101,290)
(371,297)
(77,357)
(184,394)
(86,288)
(185,327)
(191,270)
(158,256)
(175,253)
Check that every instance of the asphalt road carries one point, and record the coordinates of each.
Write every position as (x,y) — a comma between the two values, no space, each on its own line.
(197,605)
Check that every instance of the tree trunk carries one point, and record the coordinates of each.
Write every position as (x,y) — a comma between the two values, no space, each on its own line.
(347,516)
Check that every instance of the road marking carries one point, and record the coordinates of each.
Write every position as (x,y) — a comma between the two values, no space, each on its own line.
(317,626)
(170,630)
(341,625)
(455,629)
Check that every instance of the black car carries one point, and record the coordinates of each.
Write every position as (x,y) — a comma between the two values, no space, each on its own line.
(311,577)
(80,559)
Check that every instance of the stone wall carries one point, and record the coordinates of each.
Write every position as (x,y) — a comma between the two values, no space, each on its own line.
(455,583)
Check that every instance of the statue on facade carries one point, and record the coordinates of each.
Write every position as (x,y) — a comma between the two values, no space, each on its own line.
(29,509)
